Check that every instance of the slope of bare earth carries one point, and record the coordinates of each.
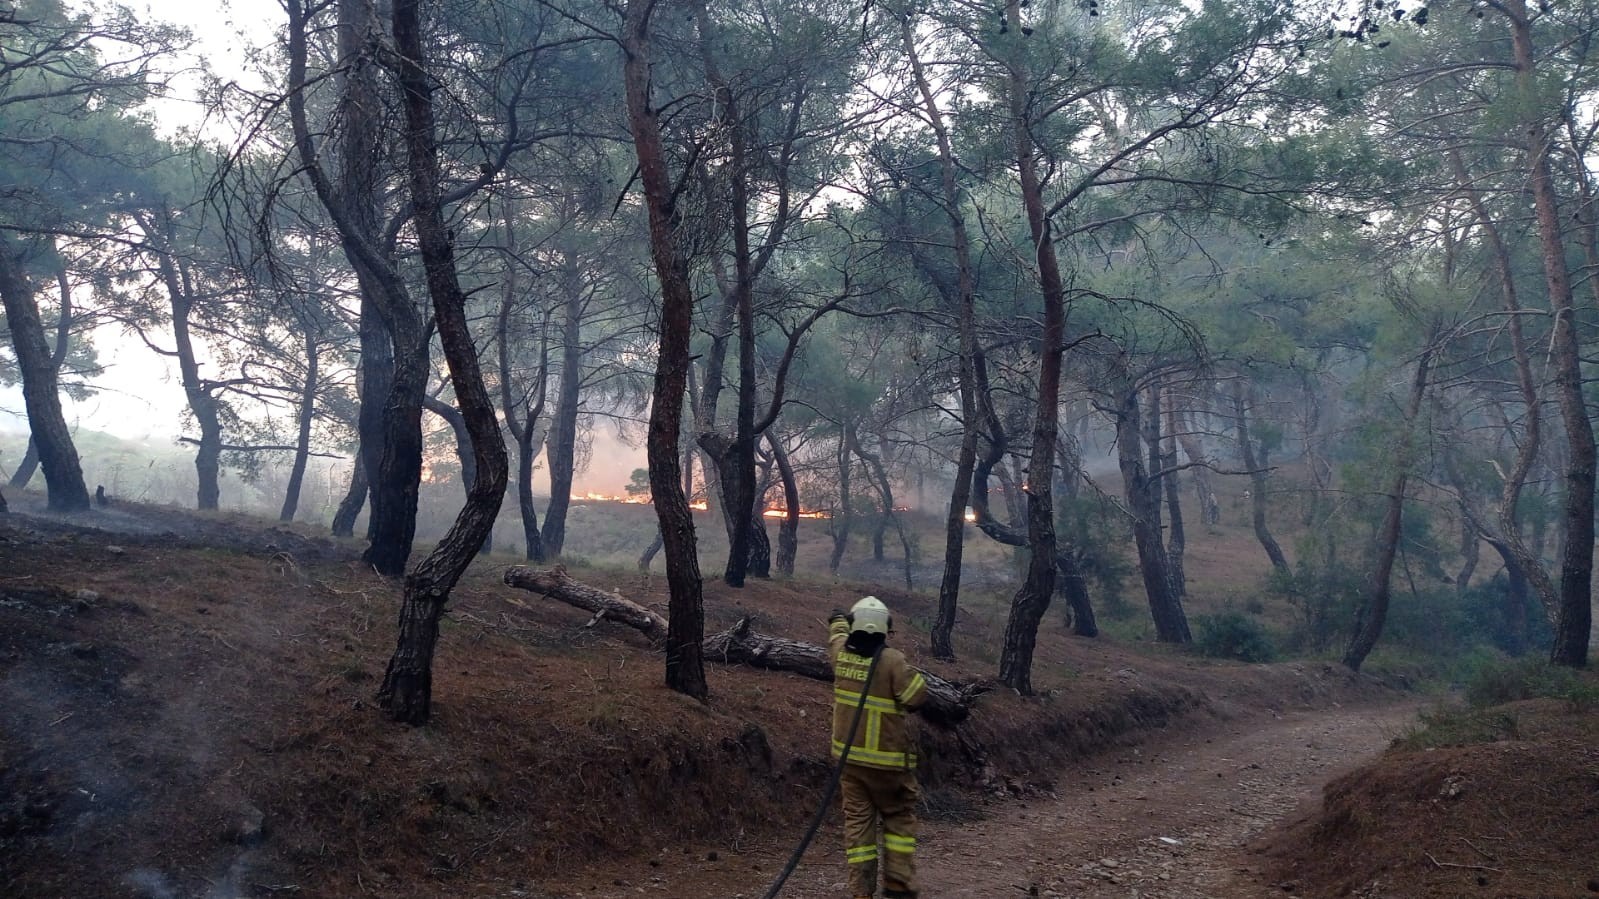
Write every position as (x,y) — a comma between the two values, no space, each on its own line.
(186,711)
(1512,812)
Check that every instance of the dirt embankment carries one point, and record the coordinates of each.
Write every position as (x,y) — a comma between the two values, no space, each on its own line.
(183,720)
(1516,815)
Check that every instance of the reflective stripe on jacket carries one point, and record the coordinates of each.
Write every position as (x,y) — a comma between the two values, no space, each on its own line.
(883,739)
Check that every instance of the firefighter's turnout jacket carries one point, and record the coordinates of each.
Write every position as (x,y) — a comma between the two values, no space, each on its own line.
(883,739)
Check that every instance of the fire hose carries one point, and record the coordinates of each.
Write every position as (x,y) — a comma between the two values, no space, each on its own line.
(832,784)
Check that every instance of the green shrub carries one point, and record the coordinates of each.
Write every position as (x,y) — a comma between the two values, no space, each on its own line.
(1455,726)
(1499,681)
(1233,635)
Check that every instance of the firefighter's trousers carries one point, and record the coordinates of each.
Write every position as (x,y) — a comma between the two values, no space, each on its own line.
(872,795)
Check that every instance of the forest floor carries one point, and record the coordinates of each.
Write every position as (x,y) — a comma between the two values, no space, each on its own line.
(186,712)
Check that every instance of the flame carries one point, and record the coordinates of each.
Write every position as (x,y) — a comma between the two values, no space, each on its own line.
(970,516)
(700,505)
(780,512)
(610,498)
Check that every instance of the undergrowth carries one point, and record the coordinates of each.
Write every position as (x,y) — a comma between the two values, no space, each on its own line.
(1487,715)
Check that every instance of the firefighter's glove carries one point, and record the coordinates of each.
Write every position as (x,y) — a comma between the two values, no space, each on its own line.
(840,615)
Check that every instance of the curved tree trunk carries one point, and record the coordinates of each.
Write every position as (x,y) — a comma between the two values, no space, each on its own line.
(63,473)
(30,456)
(1373,613)
(1176,539)
(1032,599)
(685,661)
(407,687)
(463,452)
(354,498)
(788,531)
(1256,466)
(302,444)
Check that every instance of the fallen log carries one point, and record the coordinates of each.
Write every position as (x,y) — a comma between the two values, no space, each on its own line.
(554,583)
(948,703)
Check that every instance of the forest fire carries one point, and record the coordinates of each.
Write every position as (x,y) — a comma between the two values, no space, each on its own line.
(780,512)
(591,497)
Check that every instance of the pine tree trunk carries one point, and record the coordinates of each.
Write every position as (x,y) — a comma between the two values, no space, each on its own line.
(1574,622)
(1033,598)
(562,440)
(1373,613)
(788,531)
(63,473)
(302,444)
(1256,466)
(30,456)
(1143,501)
(354,499)
(685,663)
(406,692)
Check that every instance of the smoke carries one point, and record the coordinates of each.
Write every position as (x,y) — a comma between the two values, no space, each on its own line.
(150,884)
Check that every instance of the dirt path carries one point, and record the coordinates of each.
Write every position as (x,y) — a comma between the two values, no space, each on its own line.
(1168,820)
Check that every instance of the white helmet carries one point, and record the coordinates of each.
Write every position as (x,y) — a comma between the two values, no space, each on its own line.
(870,616)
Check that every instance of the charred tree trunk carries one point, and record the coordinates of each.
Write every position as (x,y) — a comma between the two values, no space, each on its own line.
(1143,501)
(406,692)
(1374,612)
(685,664)
(1255,464)
(63,473)
(377,379)
(393,437)
(463,452)
(354,499)
(788,531)
(1514,610)
(562,438)
(878,477)
(302,443)
(30,456)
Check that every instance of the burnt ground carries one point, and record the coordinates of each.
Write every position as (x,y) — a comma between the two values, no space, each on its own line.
(186,711)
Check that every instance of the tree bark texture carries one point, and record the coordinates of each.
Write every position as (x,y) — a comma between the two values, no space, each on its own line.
(394,437)
(685,663)
(30,456)
(842,518)
(1143,501)
(1575,619)
(406,692)
(1032,599)
(63,473)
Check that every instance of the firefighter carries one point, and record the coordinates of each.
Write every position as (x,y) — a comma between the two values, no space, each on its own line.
(879,777)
